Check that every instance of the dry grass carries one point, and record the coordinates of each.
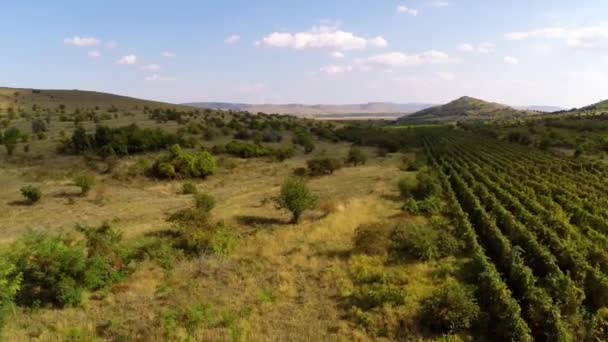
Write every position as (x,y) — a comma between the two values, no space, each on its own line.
(283,283)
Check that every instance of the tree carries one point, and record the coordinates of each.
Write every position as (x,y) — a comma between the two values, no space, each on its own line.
(10,140)
(323,166)
(296,197)
(10,283)
(39,126)
(356,156)
(85,182)
(32,193)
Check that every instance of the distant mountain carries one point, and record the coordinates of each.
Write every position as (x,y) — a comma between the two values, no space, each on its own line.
(465,109)
(372,109)
(546,109)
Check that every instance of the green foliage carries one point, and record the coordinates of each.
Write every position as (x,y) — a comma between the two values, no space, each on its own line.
(373,295)
(39,126)
(189,188)
(356,156)
(296,197)
(204,202)
(243,150)
(31,193)
(10,285)
(119,141)
(304,139)
(223,242)
(424,242)
(10,139)
(452,308)
(424,186)
(85,182)
(53,271)
(599,326)
(178,163)
(323,166)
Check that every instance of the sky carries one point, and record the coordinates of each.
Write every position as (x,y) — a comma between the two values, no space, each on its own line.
(517,52)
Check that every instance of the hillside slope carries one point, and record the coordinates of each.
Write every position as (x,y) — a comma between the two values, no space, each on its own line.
(19,98)
(466,109)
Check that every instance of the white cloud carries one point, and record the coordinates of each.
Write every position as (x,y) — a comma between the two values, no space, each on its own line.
(485,47)
(511,60)
(390,60)
(128,60)
(82,41)
(158,78)
(232,39)
(151,67)
(336,69)
(168,54)
(337,54)
(407,10)
(583,37)
(440,3)
(322,37)
(466,47)
(94,54)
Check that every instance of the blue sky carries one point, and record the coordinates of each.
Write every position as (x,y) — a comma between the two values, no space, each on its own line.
(519,52)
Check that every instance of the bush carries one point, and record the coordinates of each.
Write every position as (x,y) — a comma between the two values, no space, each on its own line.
(450,309)
(424,242)
(243,150)
(296,197)
(85,182)
(284,153)
(31,193)
(189,189)
(10,284)
(424,186)
(372,239)
(356,156)
(53,271)
(204,202)
(182,164)
(599,326)
(373,295)
(323,166)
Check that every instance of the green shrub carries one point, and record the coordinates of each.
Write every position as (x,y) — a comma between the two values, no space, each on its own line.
(377,294)
(356,156)
(85,182)
(323,166)
(372,239)
(181,164)
(425,185)
(284,153)
(10,284)
(296,197)
(424,242)
(223,242)
(31,193)
(189,189)
(204,202)
(452,308)
(599,326)
(53,271)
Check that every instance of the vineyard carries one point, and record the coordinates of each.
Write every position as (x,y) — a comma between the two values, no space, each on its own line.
(537,230)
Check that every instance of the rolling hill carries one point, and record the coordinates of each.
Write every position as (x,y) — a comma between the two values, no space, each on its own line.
(372,109)
(72,99)
(466,109)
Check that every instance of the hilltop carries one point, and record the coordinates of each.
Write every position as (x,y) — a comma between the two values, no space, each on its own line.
(372,109)
(464,109)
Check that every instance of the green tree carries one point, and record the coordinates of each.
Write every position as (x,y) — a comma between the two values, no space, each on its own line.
(10,140)
(356,156)
(10,284)
(32,193)
(296,197)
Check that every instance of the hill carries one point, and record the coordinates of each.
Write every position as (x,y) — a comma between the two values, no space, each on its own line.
(372,109)
(21,98)
(465,109)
